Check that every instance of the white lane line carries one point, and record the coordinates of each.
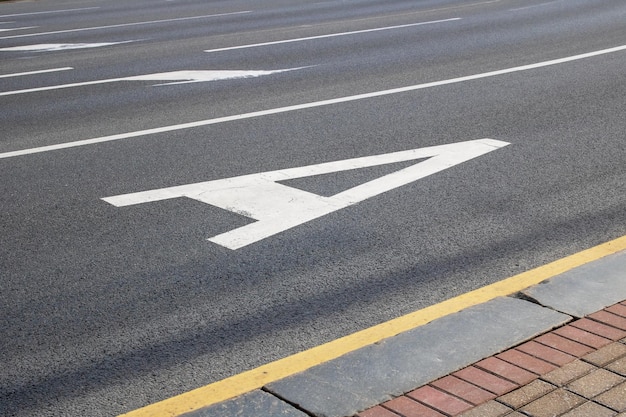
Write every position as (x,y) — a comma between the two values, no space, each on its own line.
(177,77)
(20,74)
(179,19)
(254,45)
(58,87)
(531,7)
(49,12)
(51,47)
(22,28)
(310,105)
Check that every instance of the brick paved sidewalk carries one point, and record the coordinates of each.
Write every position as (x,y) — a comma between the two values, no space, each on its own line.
(578,370)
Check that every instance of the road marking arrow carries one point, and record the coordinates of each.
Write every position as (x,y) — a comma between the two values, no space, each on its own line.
(51,47)
(177,77)
(278,207)
(180,77)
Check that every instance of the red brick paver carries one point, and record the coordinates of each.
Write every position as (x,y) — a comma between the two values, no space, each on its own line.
(582,336)
(439,400)
(600,329)
(377,411)
(618,309)
(546,353)
(609,319)
(407,407)
(463,389)
(564,345)
(485,380)
(526,361)
(506,370)
(577,370)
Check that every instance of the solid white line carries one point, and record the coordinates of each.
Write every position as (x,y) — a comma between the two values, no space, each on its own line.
(48,12)
(305,105)
(123,24)
(230,48)
(19,74)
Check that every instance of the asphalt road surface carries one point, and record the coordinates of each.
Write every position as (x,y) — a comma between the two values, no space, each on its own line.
(112,298)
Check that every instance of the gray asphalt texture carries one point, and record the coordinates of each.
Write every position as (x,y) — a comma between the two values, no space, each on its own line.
(106,309)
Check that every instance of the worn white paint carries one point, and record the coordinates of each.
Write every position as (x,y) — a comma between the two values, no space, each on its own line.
(150,22)
(21,74)
(517,9)
(278,207)
(179,77)
(22,28)
(176,76)
(49,12)
(50,47)
(332,35)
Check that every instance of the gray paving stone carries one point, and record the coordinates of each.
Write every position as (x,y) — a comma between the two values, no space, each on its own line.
(253,404)
(378,372)
(586,289)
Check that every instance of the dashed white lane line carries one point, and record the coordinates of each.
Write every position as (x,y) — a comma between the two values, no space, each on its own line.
(532,6)
(22,28)
(21,74)
(150,22)
(49,12)
(332,35)
(310,105)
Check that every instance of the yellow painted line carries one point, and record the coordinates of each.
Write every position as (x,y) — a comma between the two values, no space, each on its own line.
(256,378)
